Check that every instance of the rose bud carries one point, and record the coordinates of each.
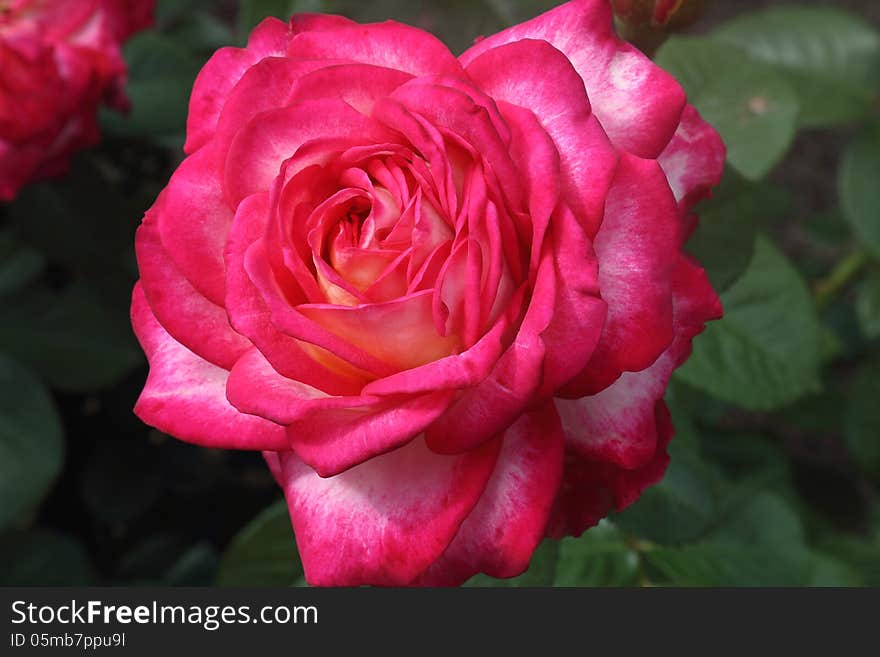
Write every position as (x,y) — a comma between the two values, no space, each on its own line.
(671,14)
(59,60)
(444,296)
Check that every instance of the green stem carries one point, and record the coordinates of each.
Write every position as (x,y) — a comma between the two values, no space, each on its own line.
(843,272)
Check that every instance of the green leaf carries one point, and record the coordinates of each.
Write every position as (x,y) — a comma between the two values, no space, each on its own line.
(756,114)
(600,557)
(752,106)
(829,571)
(724,240)
(195,567)
(726,564)
(861,420)
(858,188)
(868,306)
(682,507)
(541,570)
(19,264)
(765,519)
(760,544)
(765,352)
(263,553)
(828,55)
(160,77)
(42,558)
(31,449)
(861,555)
(71,339)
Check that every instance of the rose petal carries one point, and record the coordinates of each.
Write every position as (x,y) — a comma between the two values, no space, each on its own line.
(194,219)
(251,317)
(222,73)
(591,489)
(617,424)
(501,533)
(385,521)
(186,395)
(497,401)
(693,160)
(637,247)
(392,45)
(330,434)
(536,76)
(189,317)
(259,149)
(637,102)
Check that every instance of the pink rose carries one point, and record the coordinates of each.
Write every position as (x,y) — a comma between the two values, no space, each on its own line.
(59,60)
(444,296)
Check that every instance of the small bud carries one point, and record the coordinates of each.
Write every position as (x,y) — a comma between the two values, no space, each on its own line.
(647,23)
(669,14)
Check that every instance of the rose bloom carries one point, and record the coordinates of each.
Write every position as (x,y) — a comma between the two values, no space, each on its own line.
(59,60)
(444,296)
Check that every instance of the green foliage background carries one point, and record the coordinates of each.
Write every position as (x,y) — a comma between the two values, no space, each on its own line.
(776,462)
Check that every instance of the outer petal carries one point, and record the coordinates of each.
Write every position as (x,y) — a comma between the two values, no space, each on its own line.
(637,248)
(186,395)
(385,521)
(193,221)
(637,102)
(503,530)
(193,320)
(331,434)
(693,160)
(536,76)
(392,45)
(617,425)
(591,489)
(222,73)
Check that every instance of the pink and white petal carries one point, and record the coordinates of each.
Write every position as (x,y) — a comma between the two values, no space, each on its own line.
(580,314)
(359,85)
(186,395)
(333,440)
(222,72)
(265,86)
(488,408)
(251,317)
(694,160)
(537,158)
(472,117)
(637,247)
(536,76)
(385,521)
(260,148)
(189,317)
(617,424)
(193,220)
(330,434)
(501,533)
(389,44)
(592,489)
(637,103)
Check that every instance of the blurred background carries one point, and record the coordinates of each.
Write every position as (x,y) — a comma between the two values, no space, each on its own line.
(776,462)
